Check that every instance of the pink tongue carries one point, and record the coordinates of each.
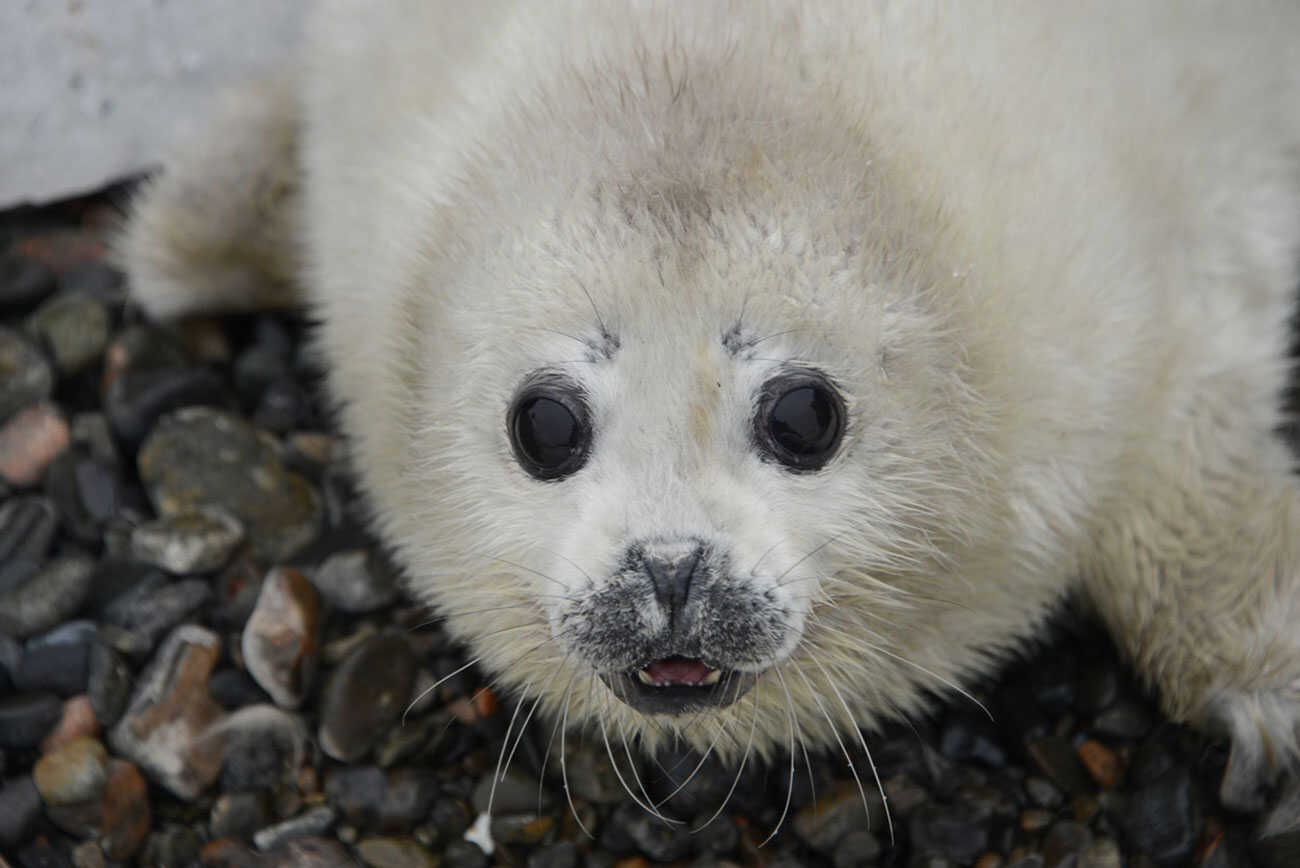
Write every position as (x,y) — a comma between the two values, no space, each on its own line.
(677,670)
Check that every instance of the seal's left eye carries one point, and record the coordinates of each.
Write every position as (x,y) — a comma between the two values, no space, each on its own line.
(800,420)
(549,431)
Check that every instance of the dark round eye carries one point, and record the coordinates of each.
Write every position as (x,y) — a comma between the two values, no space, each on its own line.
(800,420)
(549,430)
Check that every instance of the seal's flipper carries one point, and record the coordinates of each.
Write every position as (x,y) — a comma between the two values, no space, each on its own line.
(217,229)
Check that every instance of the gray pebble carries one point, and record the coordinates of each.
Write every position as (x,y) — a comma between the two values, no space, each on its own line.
(155,605)
(239,815)
(24,280)
(108,684)
(517,792)
(27,527)
(354,582)
(26,377)
(395,853)
(559,855)
(313,822)
(309,852)
(858,848)
(632,830)
(365,695)
(464,854)
(53,593)
(199,457)
(197,541)
(25,718)
(20,806)
(58,660)
(73,327)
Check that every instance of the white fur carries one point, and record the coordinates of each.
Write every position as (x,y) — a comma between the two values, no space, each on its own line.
(1048,250)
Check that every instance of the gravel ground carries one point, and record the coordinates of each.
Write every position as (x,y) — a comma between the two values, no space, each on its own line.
(204,659)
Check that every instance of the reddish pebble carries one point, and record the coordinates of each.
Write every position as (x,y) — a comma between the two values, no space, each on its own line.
(125,818)
(281,640)
(1101,762)
(989,860)
(482,704)
(632,862)
(228,853)
(30,441)
(78,720)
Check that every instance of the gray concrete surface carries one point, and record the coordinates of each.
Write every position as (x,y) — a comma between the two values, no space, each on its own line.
(96,90)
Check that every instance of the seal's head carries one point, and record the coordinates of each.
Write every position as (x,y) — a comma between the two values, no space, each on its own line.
(693,441)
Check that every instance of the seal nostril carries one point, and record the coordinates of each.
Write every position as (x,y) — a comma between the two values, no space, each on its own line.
(672,577)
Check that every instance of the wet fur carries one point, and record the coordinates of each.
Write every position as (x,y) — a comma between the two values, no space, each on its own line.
(1048,251)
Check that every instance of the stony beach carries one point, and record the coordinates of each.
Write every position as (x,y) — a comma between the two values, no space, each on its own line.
(206,659)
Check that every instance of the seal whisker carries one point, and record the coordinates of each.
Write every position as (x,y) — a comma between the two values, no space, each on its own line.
(434,686)
(848,758)
(604,731)
(789,790)
(564,765)
(749,745)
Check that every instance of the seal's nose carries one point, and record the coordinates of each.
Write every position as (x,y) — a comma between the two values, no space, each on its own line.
(672,568)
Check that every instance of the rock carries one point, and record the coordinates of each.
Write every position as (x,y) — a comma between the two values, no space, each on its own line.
(108,684)
(354,582)
(517,792)
(87,491)
(125,815)
(88,854)
(948,832)
(26,718)
(1064,844)
(630,829)
(170,711)
(20,806)
(147,375)
(1162,817)
(91,431)
(51,595)
(172,845)
(73,327)
(200,456)
(229,853)
(826,821)
(356,792)
(239,815)
(1057,760)
(526,829)
(238,587)
(857,848)
(1103,853)
(77,720)
(27,527)
(1125,719)
(463,854)
(26,378)
(262,746)
(29,441)
(1101,762)
(235,688)
(395,853)
(559,855)
(1041,792)
(968,737)
(11,658)
(197,541)
(281,641)
(309,852)
(24,281)
(76,772)
(155,605)
(365,695)
(313,822)
(58,660)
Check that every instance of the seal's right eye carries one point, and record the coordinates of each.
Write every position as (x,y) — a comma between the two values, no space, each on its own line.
(549,430)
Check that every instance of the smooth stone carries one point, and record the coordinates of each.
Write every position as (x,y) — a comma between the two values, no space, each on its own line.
(1103,853)
(76,772)
(282,407)
(1162,817)
(26,718)
(281,640)
(310,851)
(824,823)
(11,658)
(24,281)
(517,792)
(395,853)
(200,456)
(591,774)
(77,720)
(29,441)
(73,327)
(174,844)
(26,376)
(170,712)
(239,815)
(463,854)
(261,746)
(50,596)
(558,855)
(947,831)
(20,806)
(91,430)
(966,737)
(197,541)
(27,527)
(365,694)
(630,829)
(1056,759)
(108,683)
(93,277)
(155,605)
(146,375)
(1042,792)
(88,854)
(238,587)
(87,491)
(313,822)
(1065,843)
(354,582)
(125,817)
(235,688)
(1125,719)
(527,829)
(856,849)
(58,660)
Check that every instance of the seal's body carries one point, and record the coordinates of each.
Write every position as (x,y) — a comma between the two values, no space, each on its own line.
(786,364)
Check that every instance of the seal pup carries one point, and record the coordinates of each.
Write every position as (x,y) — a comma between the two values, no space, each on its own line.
(749,373)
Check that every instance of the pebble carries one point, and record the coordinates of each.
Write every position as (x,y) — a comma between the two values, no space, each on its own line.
(239,815)
(1058,762)
(88,854)
(527,829)
(26,718)
(1101,762)
(50,595)
(125,816)
(1042,792)
(261,746)
(77,720)
(238,586)
(395,853)
(463,854)
(1161,817)
(20,806)
(170,710)
(88,492)
(29,441)
(517,792)
(1103,853)
(73,327)
(631,829)
(281,640)
(1064,844)
(24,281)
(200,456)
(967,737)
(310,852)
(312,822)
(75,772)
(365,695)
(26,377)
(857,848)
(27,527)
(147,375)
(824,823)
(91,430)
(353,582)
(58,660)
(235,688)
(559,855)
(174,844)
(1126,719)
(197,541)
(155,605)
(108,683)
(229,853)
(947,831)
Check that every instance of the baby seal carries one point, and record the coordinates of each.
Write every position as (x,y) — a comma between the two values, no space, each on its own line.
(746,372)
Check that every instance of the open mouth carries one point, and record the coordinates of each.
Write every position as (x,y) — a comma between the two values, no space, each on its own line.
(678,685)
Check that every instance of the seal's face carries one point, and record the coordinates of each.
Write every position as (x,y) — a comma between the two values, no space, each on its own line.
(678,441)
